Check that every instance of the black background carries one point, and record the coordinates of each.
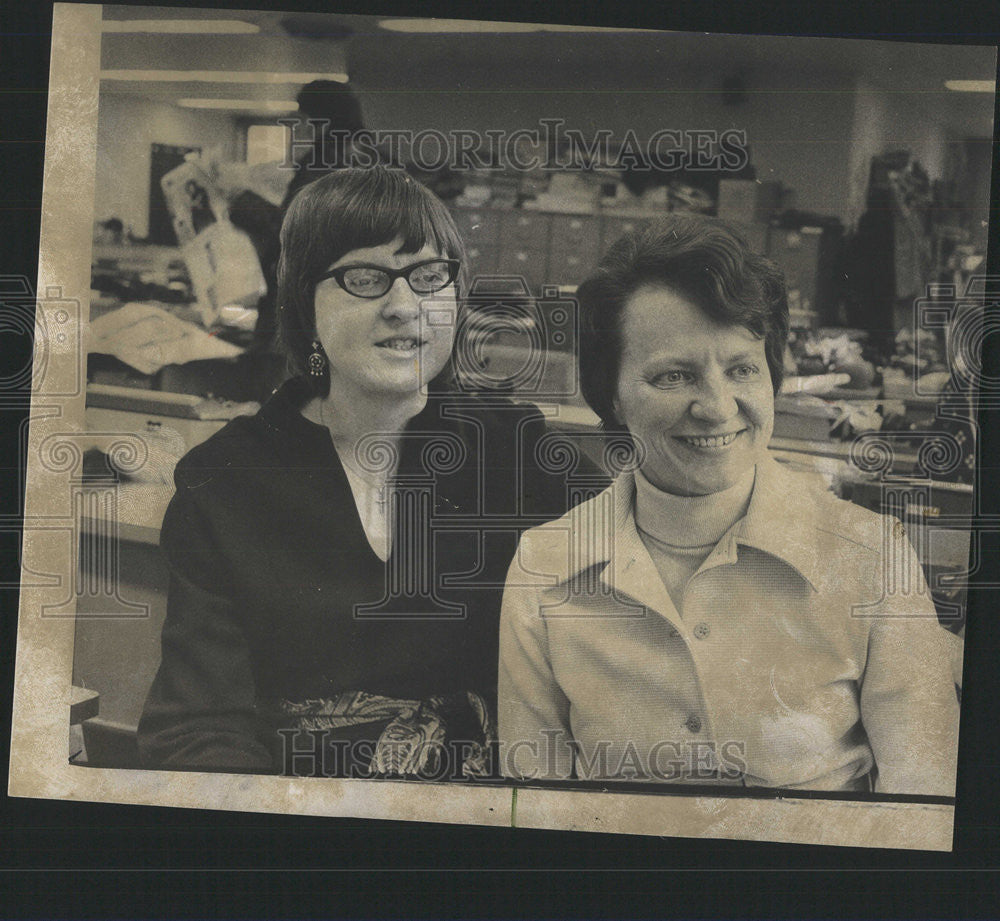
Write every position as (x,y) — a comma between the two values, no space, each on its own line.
(82,860)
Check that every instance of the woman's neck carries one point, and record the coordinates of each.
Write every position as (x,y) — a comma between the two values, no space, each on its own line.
(349,418)
(690,521)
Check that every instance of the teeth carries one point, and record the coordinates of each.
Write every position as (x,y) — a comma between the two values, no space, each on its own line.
(713,441)
(400,345)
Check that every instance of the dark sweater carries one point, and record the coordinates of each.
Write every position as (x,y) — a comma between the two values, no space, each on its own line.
(275,594)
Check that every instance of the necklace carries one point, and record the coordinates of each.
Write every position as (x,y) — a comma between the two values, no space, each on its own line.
(374,486)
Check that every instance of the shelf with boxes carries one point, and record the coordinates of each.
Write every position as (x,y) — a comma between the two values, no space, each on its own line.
(540,247)
(544,248)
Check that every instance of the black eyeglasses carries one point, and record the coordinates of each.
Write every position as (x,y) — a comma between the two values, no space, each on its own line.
(374,280)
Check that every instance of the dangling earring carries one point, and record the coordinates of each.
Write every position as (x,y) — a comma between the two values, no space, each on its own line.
(317,359)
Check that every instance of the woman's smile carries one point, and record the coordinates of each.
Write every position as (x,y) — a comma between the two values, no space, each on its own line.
(710,442)
(404,344)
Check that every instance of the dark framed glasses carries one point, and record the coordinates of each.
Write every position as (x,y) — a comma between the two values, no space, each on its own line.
(424,277)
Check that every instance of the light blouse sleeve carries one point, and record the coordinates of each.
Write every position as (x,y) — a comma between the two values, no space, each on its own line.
(534,723)
(909,705)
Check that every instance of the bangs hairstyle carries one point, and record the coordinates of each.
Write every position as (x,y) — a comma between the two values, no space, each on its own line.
(703,259)
(345,210)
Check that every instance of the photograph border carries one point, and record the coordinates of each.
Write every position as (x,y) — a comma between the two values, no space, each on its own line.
(39,766)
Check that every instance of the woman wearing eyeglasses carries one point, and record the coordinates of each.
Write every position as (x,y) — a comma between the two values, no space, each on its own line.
(334,597)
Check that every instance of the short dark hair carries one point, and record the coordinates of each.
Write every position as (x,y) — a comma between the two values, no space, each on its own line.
(345,210)
(705,260)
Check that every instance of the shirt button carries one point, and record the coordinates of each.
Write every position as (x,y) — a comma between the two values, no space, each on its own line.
(701,631)
(693,724)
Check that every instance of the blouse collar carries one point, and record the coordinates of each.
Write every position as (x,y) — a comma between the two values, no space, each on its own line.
(690,521)
(785,519)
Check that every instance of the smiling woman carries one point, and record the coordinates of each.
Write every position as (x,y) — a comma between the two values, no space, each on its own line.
(700,401)
(708,618)
(372,321)
(316,623)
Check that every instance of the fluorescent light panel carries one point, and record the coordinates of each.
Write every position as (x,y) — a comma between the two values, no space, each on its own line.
(181,26)
(255,105)
(217,76)
(455,25)
(971,86)
(433,26)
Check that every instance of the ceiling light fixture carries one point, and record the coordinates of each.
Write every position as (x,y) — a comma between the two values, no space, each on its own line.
(218,76)
(256,105)
(435,26)
(455,25)
(181,26)
(971,86)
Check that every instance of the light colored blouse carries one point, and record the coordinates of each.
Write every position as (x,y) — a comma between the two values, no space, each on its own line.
(680,531)
(805,653)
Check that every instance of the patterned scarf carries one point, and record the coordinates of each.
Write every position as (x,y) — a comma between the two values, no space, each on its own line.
(414,740)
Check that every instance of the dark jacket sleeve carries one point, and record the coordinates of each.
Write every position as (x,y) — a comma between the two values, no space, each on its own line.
(200,711)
